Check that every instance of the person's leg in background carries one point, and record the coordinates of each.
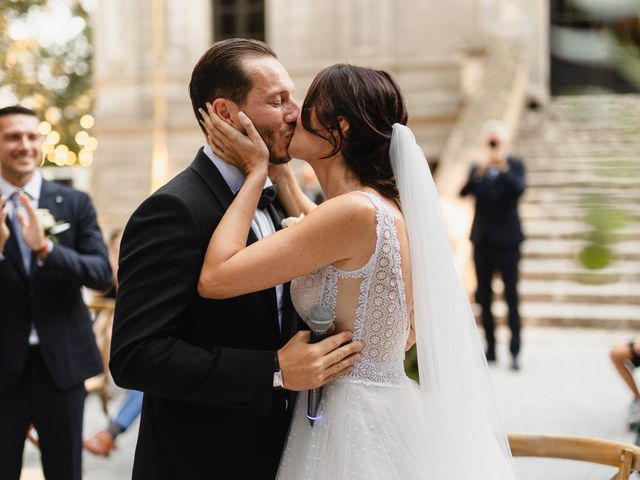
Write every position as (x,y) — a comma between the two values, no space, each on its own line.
(483,259)
(103,442)
(625,358)
(14,420)
(507,261)
(57,417)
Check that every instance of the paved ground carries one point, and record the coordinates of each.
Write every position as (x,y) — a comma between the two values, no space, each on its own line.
(567,386)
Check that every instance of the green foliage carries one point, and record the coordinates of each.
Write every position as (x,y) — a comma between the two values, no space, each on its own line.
(604,220)
(411,363)
(53,79)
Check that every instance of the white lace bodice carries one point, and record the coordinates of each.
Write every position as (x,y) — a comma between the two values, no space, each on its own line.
(381,317)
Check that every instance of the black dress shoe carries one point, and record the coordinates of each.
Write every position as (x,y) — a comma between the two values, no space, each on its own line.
(491,355)
(514,364)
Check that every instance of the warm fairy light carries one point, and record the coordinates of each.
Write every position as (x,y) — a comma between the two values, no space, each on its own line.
(85,158)
(87,121)
(44,128)
(52,114)
(72,158)
(91,144)
(61,154)
(47,147)
(62,149)
(53,137)
(82,137)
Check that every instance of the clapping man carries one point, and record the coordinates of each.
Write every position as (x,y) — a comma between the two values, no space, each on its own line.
(47,348)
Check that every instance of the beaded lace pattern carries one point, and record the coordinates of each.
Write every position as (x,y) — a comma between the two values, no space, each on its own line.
(382,320)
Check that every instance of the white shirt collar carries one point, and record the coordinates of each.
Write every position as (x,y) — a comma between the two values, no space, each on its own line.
(231,174)
(32,188)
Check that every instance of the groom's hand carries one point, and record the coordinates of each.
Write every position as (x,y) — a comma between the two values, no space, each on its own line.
(306,366)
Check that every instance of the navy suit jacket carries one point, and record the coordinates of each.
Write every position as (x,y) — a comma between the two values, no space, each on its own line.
(496,222)
(50,295)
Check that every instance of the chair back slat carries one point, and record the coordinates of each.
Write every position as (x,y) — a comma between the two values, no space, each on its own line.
(623,456)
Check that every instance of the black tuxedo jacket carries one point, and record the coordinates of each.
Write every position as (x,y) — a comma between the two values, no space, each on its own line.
(205,366)
(50,295)
(496,222)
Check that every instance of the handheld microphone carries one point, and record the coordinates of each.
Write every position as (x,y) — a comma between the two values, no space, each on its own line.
(320,320)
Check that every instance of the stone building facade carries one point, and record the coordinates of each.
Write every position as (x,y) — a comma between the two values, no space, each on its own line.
(145,51)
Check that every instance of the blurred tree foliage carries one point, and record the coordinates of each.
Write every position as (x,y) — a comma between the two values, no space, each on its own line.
(411,363)
(53,78)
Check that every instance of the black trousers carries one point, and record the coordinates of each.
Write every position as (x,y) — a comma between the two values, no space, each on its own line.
(488,260)
(56,415)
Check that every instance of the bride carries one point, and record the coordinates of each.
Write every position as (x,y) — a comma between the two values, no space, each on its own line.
(376,253)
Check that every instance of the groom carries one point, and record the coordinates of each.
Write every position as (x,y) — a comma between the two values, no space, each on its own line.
(217,374)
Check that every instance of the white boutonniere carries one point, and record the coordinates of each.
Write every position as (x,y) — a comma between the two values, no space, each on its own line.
(291,221)
(52,227)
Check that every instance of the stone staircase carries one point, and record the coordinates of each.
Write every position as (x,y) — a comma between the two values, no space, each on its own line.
(579,151)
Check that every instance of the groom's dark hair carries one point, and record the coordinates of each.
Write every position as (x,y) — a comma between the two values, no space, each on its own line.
(220,74)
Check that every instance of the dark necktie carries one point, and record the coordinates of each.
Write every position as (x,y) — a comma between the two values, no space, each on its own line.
(267,197)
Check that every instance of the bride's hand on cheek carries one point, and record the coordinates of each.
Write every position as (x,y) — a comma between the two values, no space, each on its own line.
(247,152)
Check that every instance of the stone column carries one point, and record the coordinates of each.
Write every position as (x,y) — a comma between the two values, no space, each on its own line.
(142,102)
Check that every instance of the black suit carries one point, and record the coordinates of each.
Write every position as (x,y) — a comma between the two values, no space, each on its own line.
(496,235)
(44,384)
(205,366)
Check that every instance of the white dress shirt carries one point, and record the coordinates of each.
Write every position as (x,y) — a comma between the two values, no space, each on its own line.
(262,225)
(32,189)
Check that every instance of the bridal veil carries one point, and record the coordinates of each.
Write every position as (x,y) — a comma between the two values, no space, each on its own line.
(465,439)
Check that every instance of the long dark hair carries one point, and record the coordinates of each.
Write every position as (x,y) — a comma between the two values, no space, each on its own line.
(371,102)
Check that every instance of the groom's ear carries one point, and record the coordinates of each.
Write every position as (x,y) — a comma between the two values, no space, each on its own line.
(226,110)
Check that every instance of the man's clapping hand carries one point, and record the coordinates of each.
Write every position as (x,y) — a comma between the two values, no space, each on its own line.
(4,228)
(32,229)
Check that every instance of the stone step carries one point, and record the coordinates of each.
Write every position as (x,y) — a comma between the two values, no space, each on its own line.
(596,167)
(535,149)
(581,168)
(581,180)
(574,314)
(544,229)
(572,196)
(575,212)
(567,269)
(570,249)
(563,291)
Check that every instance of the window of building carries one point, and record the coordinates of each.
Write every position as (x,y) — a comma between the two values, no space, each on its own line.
(238,18)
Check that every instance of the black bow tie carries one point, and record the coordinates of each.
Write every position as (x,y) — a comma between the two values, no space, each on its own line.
(267,197)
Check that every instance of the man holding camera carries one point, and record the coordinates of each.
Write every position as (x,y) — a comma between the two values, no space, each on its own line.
(497,185)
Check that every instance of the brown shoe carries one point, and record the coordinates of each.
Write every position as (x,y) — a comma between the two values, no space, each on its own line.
(100,444)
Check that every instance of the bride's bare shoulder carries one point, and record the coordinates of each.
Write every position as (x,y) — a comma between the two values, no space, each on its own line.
(354,210)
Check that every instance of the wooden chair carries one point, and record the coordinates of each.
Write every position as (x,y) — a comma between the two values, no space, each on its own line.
(623,456)
(101,310)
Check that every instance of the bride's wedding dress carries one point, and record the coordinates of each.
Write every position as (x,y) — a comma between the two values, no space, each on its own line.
(376,423)
(371,425)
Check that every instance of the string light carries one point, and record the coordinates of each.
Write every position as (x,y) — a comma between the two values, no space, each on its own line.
(82,137)
(91,144)
(44,128)
(87,121)
(85,158)
(53,137)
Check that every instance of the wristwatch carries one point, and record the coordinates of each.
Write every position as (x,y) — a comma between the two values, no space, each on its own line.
(277,374)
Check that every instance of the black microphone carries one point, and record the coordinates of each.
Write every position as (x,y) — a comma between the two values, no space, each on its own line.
(320,320)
